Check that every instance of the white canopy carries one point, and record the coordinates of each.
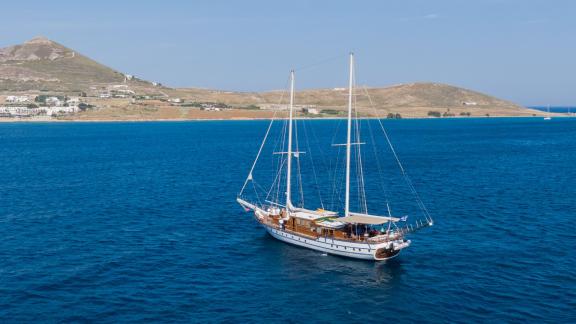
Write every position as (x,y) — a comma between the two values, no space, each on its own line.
(357,218)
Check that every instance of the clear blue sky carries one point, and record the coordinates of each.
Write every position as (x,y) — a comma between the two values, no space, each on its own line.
(521,50)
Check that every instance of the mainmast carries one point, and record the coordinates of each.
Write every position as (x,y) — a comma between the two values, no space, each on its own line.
(348,151)
(289,172)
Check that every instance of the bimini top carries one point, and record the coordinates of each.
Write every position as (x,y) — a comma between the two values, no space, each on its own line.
(356,218)
(330,222)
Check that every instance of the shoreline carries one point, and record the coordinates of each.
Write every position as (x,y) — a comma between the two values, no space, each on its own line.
(19,120)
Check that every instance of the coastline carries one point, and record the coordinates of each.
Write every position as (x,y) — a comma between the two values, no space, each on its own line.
(36,120)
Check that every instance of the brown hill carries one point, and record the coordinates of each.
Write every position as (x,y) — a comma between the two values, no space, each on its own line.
(409,100)
(42,64)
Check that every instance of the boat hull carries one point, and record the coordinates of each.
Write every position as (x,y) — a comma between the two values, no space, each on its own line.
(363,251)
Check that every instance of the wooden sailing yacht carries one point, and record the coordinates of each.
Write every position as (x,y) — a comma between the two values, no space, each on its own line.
(355,234)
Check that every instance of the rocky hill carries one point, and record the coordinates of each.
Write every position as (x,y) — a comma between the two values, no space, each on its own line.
(44,65)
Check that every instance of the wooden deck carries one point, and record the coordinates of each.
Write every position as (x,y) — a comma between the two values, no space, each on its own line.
(311,230)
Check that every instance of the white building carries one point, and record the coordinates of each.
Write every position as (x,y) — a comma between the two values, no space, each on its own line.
(23,111)
(17,99)
(303,108)
(469,103)
(73,101)
(53,102)
(311,111)
(54,111)
(18,111)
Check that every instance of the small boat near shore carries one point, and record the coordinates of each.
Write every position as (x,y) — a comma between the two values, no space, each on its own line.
(548,117)
(354,234)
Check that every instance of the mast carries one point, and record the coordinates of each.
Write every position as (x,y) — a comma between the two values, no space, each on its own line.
(289,172)
(348,151)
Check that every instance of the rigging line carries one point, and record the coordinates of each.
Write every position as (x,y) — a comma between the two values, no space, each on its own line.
(276,179)
(257,196)
(378,164)
(259,186)
(383,187)
(281,161)
(336,181)
(250,175)
(333,168)
(406,177)
(309,149)
(361,183)
(324,61)
(278,162)
(299,170)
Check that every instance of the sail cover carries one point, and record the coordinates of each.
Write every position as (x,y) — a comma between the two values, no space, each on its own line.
(356,218)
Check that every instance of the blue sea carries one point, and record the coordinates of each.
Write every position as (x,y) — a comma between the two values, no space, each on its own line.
(137,222)
(563,110)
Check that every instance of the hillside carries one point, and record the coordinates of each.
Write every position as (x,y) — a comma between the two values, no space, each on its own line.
(44,65)
(409,100)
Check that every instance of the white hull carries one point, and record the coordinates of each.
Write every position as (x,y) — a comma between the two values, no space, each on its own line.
(348,249)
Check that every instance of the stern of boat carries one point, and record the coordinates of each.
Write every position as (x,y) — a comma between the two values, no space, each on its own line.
(390,249)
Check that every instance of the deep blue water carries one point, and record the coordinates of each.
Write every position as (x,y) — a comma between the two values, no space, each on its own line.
(115,222)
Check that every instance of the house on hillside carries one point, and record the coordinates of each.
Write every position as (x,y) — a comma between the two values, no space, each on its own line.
(54,102)
(302,108)
(56,111)
(311,111)
(73,101)
(469,103)
(17,99)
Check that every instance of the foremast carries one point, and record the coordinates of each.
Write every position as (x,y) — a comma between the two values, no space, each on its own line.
(289,205)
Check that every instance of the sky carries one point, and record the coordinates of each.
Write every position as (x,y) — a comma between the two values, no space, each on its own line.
(519,50)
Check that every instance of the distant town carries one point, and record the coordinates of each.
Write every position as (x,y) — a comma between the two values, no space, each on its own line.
(35,105)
